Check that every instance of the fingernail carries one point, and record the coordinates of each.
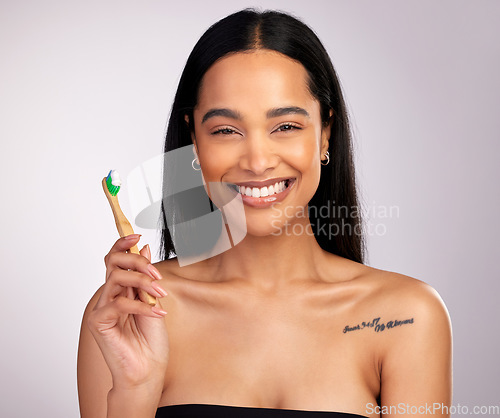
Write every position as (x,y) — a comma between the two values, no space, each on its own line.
(159,289)
(133,236)
(158,311)
(154,271)
(148,250)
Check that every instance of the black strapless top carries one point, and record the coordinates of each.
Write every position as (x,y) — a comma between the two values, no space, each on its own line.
(226,411)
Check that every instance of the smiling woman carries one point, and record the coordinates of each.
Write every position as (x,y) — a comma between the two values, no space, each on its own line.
(273,66)
(264,134)
(288,322)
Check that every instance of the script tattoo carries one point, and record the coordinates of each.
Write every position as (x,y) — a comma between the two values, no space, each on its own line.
(378,326)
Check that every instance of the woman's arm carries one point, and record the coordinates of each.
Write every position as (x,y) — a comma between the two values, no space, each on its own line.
(123,347)
(97,397)
(416,370)
(94,377)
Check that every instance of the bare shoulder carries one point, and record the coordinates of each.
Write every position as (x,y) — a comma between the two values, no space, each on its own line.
(188,274)
(409,313)
(171,268)
(180,281)
(393,301)
(175,275)
(168,266)
(408,293)
(414,338)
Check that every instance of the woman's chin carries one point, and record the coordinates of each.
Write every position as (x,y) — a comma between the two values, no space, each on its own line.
(264,229)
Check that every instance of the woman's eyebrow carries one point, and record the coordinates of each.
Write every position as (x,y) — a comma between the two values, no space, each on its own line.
(272,113)
(289,110)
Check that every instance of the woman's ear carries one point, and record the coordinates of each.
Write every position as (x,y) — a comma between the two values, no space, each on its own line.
(193,139)
(325,134)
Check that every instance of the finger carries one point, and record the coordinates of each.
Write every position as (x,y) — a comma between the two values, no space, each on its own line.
(146,252)
(107,317)
(136,262)
(121,279)
(123,244)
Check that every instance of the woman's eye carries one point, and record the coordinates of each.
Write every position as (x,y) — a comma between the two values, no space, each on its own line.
(287,127)
(224,131)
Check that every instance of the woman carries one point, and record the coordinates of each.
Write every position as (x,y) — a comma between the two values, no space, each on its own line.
(288,321)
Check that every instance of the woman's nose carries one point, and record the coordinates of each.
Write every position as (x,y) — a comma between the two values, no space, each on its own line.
(259,154)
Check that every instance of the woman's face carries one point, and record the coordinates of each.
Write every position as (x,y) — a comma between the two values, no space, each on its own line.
(258,127)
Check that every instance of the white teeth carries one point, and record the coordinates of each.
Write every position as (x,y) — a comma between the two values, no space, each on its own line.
(278,187)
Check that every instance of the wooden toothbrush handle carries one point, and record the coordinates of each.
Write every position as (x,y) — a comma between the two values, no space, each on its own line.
(124,229)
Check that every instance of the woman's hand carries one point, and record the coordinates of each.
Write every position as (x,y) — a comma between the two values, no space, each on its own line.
(131,334)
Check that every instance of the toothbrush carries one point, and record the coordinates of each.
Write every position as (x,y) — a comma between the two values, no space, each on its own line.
(111,185)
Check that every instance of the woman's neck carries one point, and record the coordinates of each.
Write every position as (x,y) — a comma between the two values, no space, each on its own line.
(271,260)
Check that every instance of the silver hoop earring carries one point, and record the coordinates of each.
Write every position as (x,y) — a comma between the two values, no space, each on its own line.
(327,155)
(192,164)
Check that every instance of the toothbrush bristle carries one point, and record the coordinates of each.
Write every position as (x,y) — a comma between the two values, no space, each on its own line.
(113,190)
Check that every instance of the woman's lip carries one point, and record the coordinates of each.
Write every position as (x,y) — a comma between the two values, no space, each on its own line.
(264,183)
(266,201)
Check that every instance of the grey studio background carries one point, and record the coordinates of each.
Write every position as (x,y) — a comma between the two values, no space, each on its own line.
(87,86)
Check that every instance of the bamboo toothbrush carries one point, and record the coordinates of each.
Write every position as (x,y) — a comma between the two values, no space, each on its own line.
(111,185)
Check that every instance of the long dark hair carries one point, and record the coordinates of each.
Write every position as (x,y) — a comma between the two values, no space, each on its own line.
(334,210)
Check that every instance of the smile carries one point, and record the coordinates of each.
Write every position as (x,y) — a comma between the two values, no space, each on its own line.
(275,188)
(264,196)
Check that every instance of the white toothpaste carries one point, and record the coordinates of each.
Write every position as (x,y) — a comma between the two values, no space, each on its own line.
(115,178)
